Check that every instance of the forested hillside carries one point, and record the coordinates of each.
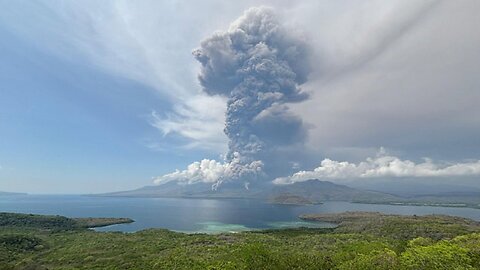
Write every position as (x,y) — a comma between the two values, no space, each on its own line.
(361,241)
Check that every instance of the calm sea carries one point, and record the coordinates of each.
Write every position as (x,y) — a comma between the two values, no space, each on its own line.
(200,215)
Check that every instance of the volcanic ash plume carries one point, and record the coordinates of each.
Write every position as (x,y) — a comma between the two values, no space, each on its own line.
(258,66)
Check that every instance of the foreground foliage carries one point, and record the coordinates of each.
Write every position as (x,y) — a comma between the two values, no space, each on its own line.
(367,241)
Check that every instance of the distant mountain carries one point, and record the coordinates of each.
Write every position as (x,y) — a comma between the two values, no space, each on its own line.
(308,192)
(319,191)
(312,191)
(197,190)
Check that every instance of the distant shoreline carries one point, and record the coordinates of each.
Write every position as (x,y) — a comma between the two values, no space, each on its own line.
(299,202)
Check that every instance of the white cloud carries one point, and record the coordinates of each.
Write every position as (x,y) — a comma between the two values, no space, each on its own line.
(199,119)
(213,172)
(384,166)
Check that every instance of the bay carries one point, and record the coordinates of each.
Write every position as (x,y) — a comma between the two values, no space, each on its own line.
(202,215)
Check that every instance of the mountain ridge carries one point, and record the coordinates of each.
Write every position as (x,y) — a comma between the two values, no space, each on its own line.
(312,191)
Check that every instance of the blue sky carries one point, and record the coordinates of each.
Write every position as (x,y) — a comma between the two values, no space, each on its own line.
(98,97)
(70,127)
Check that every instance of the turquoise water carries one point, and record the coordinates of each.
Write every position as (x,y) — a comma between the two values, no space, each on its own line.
(201,215)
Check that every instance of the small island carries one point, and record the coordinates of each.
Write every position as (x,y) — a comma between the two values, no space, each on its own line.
(290,199)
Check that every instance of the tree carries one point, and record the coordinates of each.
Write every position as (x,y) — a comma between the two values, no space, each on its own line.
(440,255)
(376,260)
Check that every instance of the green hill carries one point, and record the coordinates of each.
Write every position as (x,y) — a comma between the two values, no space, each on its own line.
(361,241)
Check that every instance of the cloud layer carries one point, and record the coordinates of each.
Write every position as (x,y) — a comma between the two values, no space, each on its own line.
(382,166)
(404,79)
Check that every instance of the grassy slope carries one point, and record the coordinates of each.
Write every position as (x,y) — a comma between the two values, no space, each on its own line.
(346,247)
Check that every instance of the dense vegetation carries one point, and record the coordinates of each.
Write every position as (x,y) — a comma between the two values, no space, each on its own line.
(437,227)
(37,221)
(361,241)
(55,222)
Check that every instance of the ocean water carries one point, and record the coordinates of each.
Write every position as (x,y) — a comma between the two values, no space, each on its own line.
(201,215)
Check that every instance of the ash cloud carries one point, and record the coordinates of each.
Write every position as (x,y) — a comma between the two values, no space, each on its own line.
(258,66)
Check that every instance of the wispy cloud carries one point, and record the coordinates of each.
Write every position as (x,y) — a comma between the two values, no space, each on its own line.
(143,42)
(200,120)
(382,166)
